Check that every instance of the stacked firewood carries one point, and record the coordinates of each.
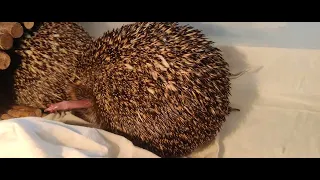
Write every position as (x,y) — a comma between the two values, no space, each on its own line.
(8,32)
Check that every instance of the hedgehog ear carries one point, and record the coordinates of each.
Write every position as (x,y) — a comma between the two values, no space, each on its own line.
(71,92)
(78,92)
(78,83)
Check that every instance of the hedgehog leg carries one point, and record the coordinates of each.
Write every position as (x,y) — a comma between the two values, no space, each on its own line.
(69,105)
(237,75)
(231,109)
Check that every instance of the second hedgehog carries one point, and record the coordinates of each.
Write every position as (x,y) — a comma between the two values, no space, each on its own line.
(47,63)
(161,85)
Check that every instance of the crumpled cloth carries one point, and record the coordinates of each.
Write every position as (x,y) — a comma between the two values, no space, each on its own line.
(67,136)
(34,137)
(207,151)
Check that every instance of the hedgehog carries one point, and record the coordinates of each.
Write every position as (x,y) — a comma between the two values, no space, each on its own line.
(47,63)
(163,86)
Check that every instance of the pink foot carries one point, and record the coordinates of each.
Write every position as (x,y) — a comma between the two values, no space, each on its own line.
(68,105)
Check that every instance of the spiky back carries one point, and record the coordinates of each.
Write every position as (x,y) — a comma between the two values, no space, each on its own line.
(163,86)
(47,64)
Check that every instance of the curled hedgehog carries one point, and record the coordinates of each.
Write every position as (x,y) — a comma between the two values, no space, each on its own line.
(163,86)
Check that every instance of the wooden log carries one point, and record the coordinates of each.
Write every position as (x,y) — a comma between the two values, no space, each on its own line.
(5,60)
(5,117)
(28,25)
(13,28)
(6,41)
(20,113)
(36,111)
(27,108)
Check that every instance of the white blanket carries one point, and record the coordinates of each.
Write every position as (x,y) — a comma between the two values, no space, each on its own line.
(40,138)
(54,137)
(280,104)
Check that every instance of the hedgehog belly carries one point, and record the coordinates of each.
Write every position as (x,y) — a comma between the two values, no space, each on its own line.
(47,63)
(161,85)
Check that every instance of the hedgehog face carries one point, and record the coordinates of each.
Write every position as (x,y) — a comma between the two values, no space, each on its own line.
(81,96)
